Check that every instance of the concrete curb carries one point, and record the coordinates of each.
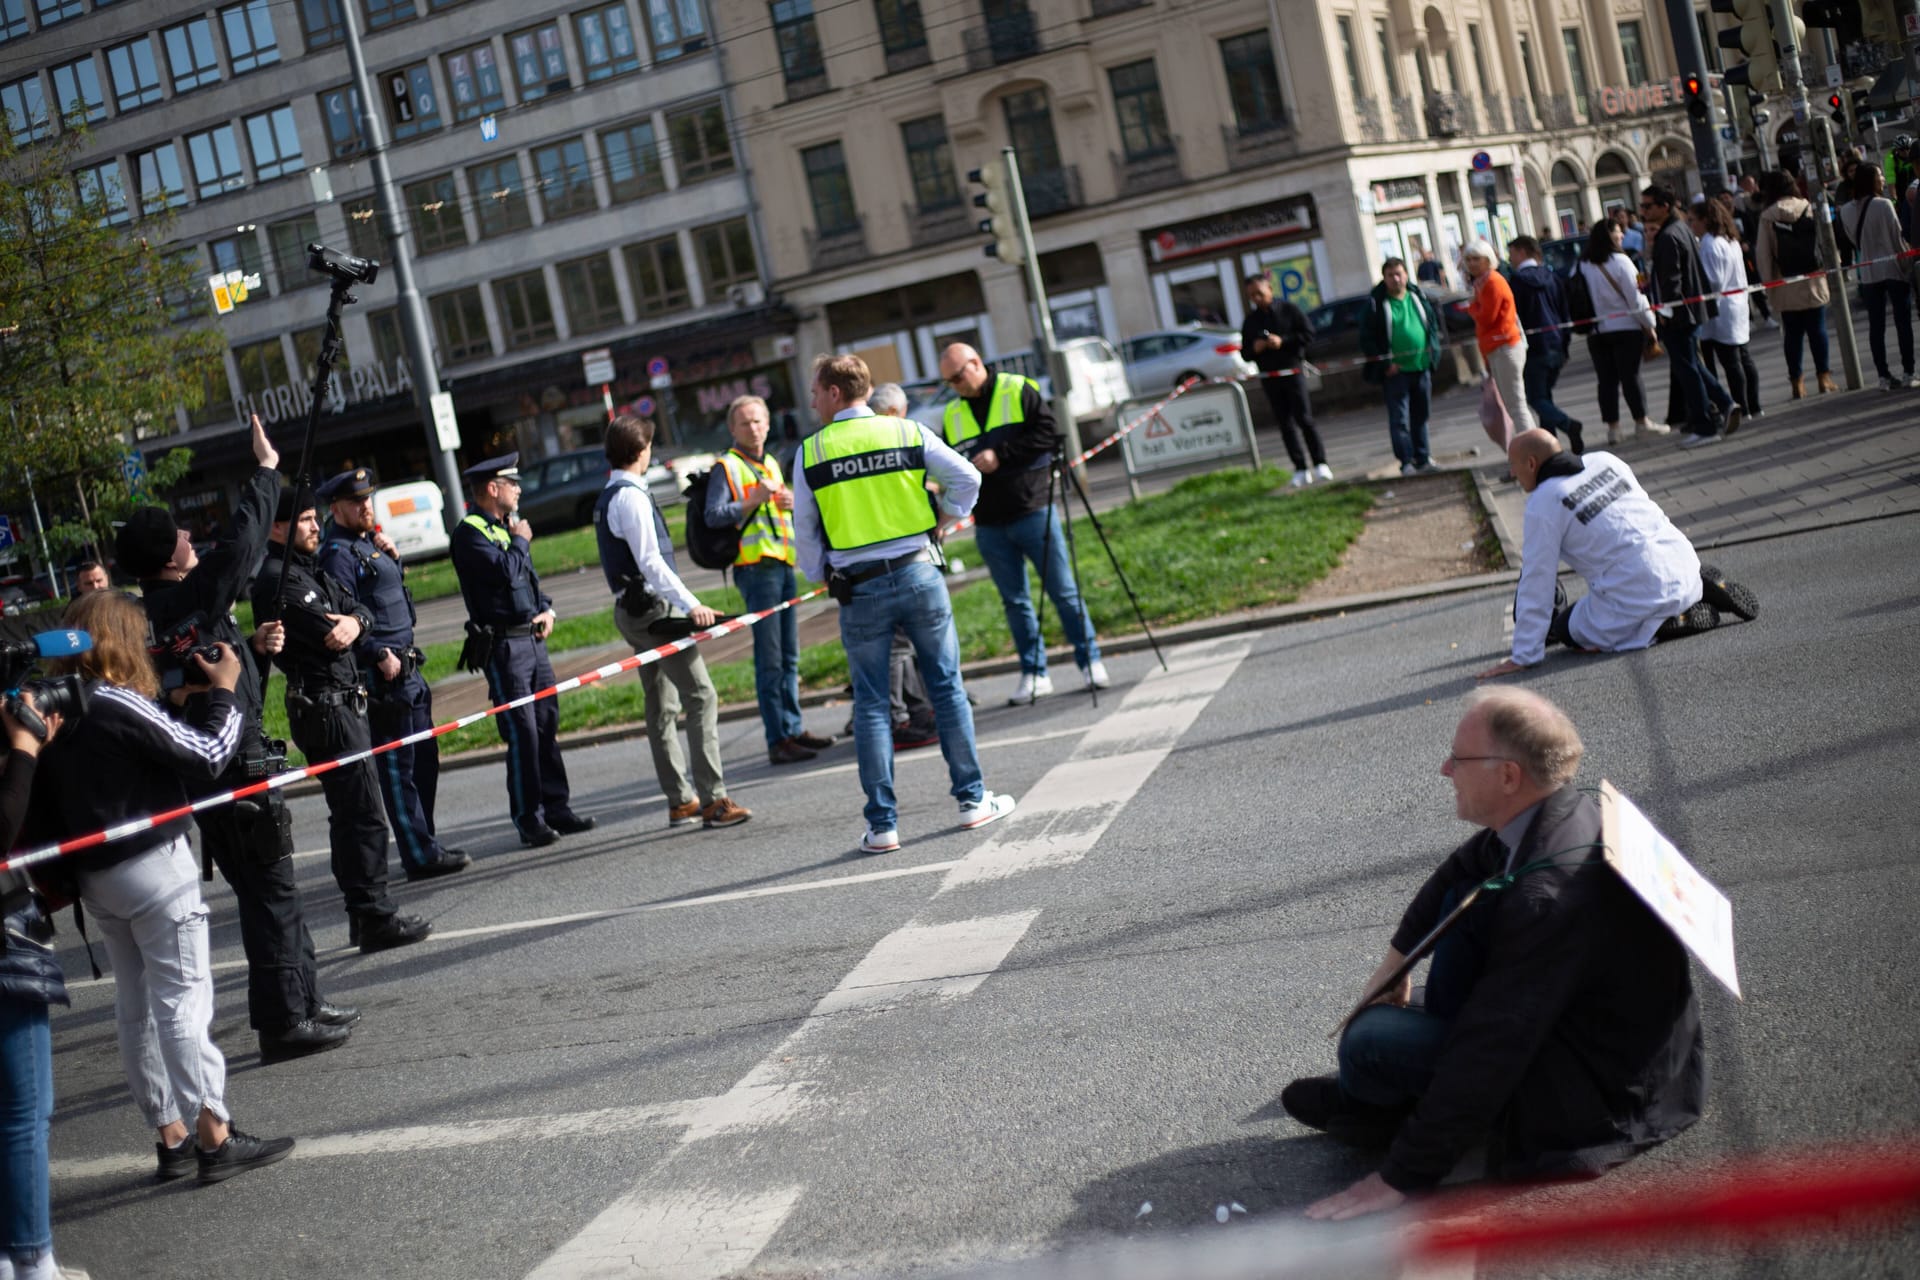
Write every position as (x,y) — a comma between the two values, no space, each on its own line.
(1509,536)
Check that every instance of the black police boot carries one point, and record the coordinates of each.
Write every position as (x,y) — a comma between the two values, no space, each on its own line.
(392,931)
(336,1015)
(570,824)
(300,1039)
(445,865)
(539,837)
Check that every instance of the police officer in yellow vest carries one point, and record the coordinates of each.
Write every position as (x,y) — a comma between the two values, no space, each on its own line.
(508,620)
(1002,425)
(861,519)
(757,501)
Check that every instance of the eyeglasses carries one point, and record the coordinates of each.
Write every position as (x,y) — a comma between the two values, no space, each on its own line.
(959,375)
(1455,759)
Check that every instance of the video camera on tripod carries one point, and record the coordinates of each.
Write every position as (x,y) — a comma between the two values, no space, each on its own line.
(64,696)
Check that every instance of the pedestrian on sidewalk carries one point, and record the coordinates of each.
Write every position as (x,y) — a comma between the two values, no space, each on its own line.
(1724,338)
(861,518)
(1496,329)
(1874,226)
(1540,303)
(1278,337)
(907,703)
(756,500)
(1623,330)
(1678,286)
(1786,247)
(1400,338)
(636,555)
(1746,211)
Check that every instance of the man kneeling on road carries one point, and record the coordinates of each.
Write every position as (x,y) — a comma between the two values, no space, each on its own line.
(1559,1030)
(1644,582)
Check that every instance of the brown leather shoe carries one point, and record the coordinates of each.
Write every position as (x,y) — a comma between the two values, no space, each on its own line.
(788,751)
(813,741)
(1827,383)
(1798,387)
(683,815)
(723,813)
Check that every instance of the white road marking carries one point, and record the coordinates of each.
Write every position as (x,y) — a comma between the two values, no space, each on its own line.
(939,961)
(694,1234)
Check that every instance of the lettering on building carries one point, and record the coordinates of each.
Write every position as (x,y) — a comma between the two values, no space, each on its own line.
(1290,217)
(360,384)
(1636,99)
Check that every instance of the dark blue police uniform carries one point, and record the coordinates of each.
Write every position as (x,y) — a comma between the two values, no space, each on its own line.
(409,775)
(503,595)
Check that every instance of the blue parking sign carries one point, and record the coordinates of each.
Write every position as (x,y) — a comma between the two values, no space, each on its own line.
(6,533)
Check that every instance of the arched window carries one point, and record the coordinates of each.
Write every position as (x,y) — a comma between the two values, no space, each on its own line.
(1569,199)
(1614,176)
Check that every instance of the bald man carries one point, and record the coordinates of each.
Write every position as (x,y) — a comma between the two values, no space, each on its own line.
(1644,582)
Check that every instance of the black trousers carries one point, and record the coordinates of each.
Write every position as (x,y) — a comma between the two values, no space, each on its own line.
(409,776)
(537,790)
(1743,380)
(282,985)
(1288,399)
(1616,359)
(356,827)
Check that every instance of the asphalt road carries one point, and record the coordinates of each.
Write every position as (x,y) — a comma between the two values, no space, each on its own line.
(692,1054)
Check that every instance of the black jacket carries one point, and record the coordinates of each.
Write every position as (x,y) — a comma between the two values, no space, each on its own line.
(311,595)
(1283,320)
(1677,274)
(1579,1044)
(29,970)
(1376,331)
(1019,485)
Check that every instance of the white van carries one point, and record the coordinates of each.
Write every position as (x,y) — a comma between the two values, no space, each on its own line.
(1099,383)
(410,514)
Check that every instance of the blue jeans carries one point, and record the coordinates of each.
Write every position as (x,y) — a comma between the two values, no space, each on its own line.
(776,647)
(1810,325)
(1544,359)
(1006,548)
(26,1108)
(1387,1054)
(1705,399)
(1409,402)
(913,598)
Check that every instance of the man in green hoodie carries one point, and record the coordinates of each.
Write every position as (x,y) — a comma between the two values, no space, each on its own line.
(1400,335)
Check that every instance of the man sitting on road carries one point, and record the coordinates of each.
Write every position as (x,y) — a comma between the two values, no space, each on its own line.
(1644,582)
(1559,1029)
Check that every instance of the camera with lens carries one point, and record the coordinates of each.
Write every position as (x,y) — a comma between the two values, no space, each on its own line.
(174,651)
(28,701)
(343,267)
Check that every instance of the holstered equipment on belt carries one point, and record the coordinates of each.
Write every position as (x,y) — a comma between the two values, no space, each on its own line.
(636,597)
(478,649)
(266,825)
(300,701)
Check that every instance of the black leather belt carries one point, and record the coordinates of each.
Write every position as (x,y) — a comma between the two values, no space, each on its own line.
(507,633)
(327,697)
(867,572)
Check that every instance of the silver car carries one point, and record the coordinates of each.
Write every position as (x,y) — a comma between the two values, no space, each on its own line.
(1160,361)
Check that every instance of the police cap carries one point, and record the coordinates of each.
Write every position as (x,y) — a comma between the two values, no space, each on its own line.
(506,466)
(357,483)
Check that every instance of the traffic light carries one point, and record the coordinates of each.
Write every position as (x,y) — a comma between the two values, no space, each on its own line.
(1823,13)
(1755,38)
(1838,105)
(998,199)
(1699,109)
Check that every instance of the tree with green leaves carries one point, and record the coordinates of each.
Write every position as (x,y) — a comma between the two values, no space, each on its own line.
(97,343)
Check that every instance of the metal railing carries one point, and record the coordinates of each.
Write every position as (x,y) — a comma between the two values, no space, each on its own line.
(837,248)
(1368,113)
(1051,191)
(908,57)
(932,226)
(1154,172)
(1249,147)
(1406,124)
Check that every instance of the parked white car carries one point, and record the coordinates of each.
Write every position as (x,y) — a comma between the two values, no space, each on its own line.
(411,514)
(1099,382)
(1158,362)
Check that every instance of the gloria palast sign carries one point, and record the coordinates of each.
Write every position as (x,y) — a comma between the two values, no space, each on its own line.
(367,382)
(1638,99)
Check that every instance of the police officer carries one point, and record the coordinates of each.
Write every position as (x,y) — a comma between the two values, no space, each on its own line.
(860,519)
(508,620)
(358,555)
(189,603)
(1000,423)
(327,711)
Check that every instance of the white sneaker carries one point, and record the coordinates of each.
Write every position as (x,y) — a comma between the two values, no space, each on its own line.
(1694,441)
(1096,675)
(1645,427)
(991,807)
(880,841)
(1908,381)
(1891,383)
(1301,479)
(1031,686)
(1322,471)
(1407,469)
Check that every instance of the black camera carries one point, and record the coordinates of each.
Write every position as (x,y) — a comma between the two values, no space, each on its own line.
(343,267)
(173,653)
(64,696)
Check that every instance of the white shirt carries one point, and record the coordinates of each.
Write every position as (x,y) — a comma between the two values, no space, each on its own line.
(1639,569)
(630,519)
(1615,290)
(959,486)
(1721,259)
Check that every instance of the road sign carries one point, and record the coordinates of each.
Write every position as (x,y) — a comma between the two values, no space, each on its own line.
(6,533)
(134,468)
(1728,132)
(598,366)
(445,425)
(489,128)
(1207,422)
(1835,76)
(645,405)
(1481,160)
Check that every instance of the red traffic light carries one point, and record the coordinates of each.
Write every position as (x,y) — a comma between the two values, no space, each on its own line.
(1695,86)
(1833,100)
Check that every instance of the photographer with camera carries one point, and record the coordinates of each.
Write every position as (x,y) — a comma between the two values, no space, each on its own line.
(356,554)
(189,603)
(143,890)
(327,711)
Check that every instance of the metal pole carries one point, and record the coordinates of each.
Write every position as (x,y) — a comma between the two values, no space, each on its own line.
(414,333)
(57,578)
(1707,155)
(1036,289)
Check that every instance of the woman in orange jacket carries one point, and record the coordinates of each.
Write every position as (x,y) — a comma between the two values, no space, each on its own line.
(1496,327)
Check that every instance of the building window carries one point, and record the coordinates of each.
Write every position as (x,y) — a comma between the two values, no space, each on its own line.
(586,285)
(1030,131)
(930,162)
(1143,116)
(13,19)
(633,161)
(830,189)
(76,88)
(699,140)
(1533,83)
(288,243)
(566,180)
(251,43)
(190,300)
(101,188)
(216,162)
(901,28)
(262,366)
(157,181)
(1479,58)
(340,108)
(1576,68)
(539,66)
(659,278)
(1633,53)
(322,24)
(607,46)
(412,107)
(52,11)
(1252,83)
(190,55)
(1387,62)
(364,239)
(1352,55)
(799,40)
(474,78)
(526,313)
(460,322)
(24,103)
(275,142)
(676,27)
(389,13)
(433,209)
(726,256)
(499,198)
(136,76)
(383,327)
(240,253)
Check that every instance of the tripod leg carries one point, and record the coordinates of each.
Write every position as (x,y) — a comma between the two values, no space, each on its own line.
(1040,601)
(1138,613)
(1073,561)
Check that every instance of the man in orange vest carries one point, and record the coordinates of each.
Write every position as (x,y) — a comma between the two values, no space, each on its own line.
(757,501)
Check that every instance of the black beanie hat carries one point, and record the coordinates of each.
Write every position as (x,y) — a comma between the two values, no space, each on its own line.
(283,510)
(146,542)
